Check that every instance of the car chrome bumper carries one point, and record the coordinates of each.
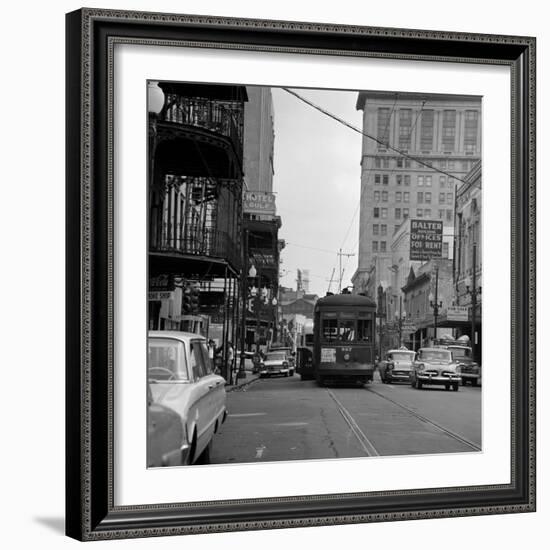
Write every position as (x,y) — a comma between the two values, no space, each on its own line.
(438,379)
(178,457)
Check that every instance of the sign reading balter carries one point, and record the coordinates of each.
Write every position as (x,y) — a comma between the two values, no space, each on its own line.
(426,239)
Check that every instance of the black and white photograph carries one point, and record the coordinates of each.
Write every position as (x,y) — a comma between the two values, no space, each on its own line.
(315,274)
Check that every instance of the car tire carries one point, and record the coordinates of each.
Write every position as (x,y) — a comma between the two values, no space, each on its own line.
(455,387)
(463,382)
(474,382)
(413,382)
(206,455)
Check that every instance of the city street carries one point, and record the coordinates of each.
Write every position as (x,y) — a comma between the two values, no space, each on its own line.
(290,419)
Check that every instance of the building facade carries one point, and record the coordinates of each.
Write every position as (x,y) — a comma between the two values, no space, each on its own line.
(412,137)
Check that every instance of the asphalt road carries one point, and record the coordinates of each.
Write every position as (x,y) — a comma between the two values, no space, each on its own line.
(289,419)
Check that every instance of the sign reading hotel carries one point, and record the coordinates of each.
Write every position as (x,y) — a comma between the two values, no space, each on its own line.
(259,202)
(426,239)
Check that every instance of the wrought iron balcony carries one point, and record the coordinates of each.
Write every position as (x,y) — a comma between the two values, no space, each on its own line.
(223,118)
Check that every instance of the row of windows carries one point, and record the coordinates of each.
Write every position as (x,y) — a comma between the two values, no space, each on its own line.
(400,162)
(421,197)
(405,179)
(403,213)
(427,118)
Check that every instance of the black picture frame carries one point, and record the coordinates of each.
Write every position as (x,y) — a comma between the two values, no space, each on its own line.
(90,512)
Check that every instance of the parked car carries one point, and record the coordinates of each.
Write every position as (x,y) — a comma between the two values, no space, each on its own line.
(164,434)
(469,370)
(181,379)
(275,362)
(396,366)
(435,366)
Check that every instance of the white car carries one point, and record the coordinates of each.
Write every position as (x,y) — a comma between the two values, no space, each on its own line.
(181,378)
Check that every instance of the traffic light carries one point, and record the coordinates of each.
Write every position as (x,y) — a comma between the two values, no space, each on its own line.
(195,291)
(186,306)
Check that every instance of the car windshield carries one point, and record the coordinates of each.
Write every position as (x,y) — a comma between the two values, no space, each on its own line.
(435,355)
(276,356)
(461,352)
(166,360)
(401,356)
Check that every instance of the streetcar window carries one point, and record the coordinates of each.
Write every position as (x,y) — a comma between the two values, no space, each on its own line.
(330,329)
(346,331)
(364,330)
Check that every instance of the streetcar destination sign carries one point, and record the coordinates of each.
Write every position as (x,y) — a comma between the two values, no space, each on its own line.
(426,239)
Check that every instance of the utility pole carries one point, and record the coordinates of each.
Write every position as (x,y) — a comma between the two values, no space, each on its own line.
(474,301)
(340,254)
(331,278)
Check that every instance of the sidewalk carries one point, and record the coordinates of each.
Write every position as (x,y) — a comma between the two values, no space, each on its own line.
(240,382)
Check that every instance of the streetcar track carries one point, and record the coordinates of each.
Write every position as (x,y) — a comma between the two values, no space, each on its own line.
(364,441)
(422,418)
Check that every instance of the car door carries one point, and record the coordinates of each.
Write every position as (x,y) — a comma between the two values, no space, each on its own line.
(216,385)
(202,408)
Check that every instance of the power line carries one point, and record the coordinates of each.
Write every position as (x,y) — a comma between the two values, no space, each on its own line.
(386,145)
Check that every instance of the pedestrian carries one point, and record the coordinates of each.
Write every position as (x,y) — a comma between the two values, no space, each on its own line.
(230,357)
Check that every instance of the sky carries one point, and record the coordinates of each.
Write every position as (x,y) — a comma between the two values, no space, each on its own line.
(317,184)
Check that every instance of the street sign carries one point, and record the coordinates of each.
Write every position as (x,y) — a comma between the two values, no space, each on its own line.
(457,313)
(426,239)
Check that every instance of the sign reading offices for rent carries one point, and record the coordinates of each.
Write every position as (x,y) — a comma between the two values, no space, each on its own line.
(426,241)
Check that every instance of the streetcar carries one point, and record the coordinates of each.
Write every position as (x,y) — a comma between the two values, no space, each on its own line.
(304,352)
(344,339)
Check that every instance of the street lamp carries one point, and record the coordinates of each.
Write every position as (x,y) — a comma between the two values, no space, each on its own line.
(381,313)
(473,290)
(247,290)
(434,303)
(399,318)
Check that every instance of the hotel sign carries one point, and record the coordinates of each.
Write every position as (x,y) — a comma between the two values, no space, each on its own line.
(426,239)
(457,313)
(259,202)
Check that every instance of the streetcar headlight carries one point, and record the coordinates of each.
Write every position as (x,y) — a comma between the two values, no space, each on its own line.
(285,364)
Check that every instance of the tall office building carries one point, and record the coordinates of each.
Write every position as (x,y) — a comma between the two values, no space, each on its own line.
(441,131)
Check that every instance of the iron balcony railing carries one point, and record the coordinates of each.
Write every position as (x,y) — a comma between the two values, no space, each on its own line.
(222,118)
(197,241)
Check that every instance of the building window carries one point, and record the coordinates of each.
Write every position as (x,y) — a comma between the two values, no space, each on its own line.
(398,196)
(383,130)
(449,198)
(449,215)
(377,196)
(406,196)
(395,228)
(407,163)
(375,246)
(427,130)
(443,163)
(420,181)
(382,246)
(428,197)
(377,179)
(441,198)
(384,196)
(442,181)
(427,213)
(385,179)
(449,130)
(375,229)
(464,165)
(420,197)
(399,179)
(398,213)
(376,213)
(383,229)
(445,250)
(384,213)
(470,130)
(405,125)
(399,163)
(378,162)
(451,164)
(428,181)
(405,213)
(407,180)
(419,212)
(386,163)
(441,214)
